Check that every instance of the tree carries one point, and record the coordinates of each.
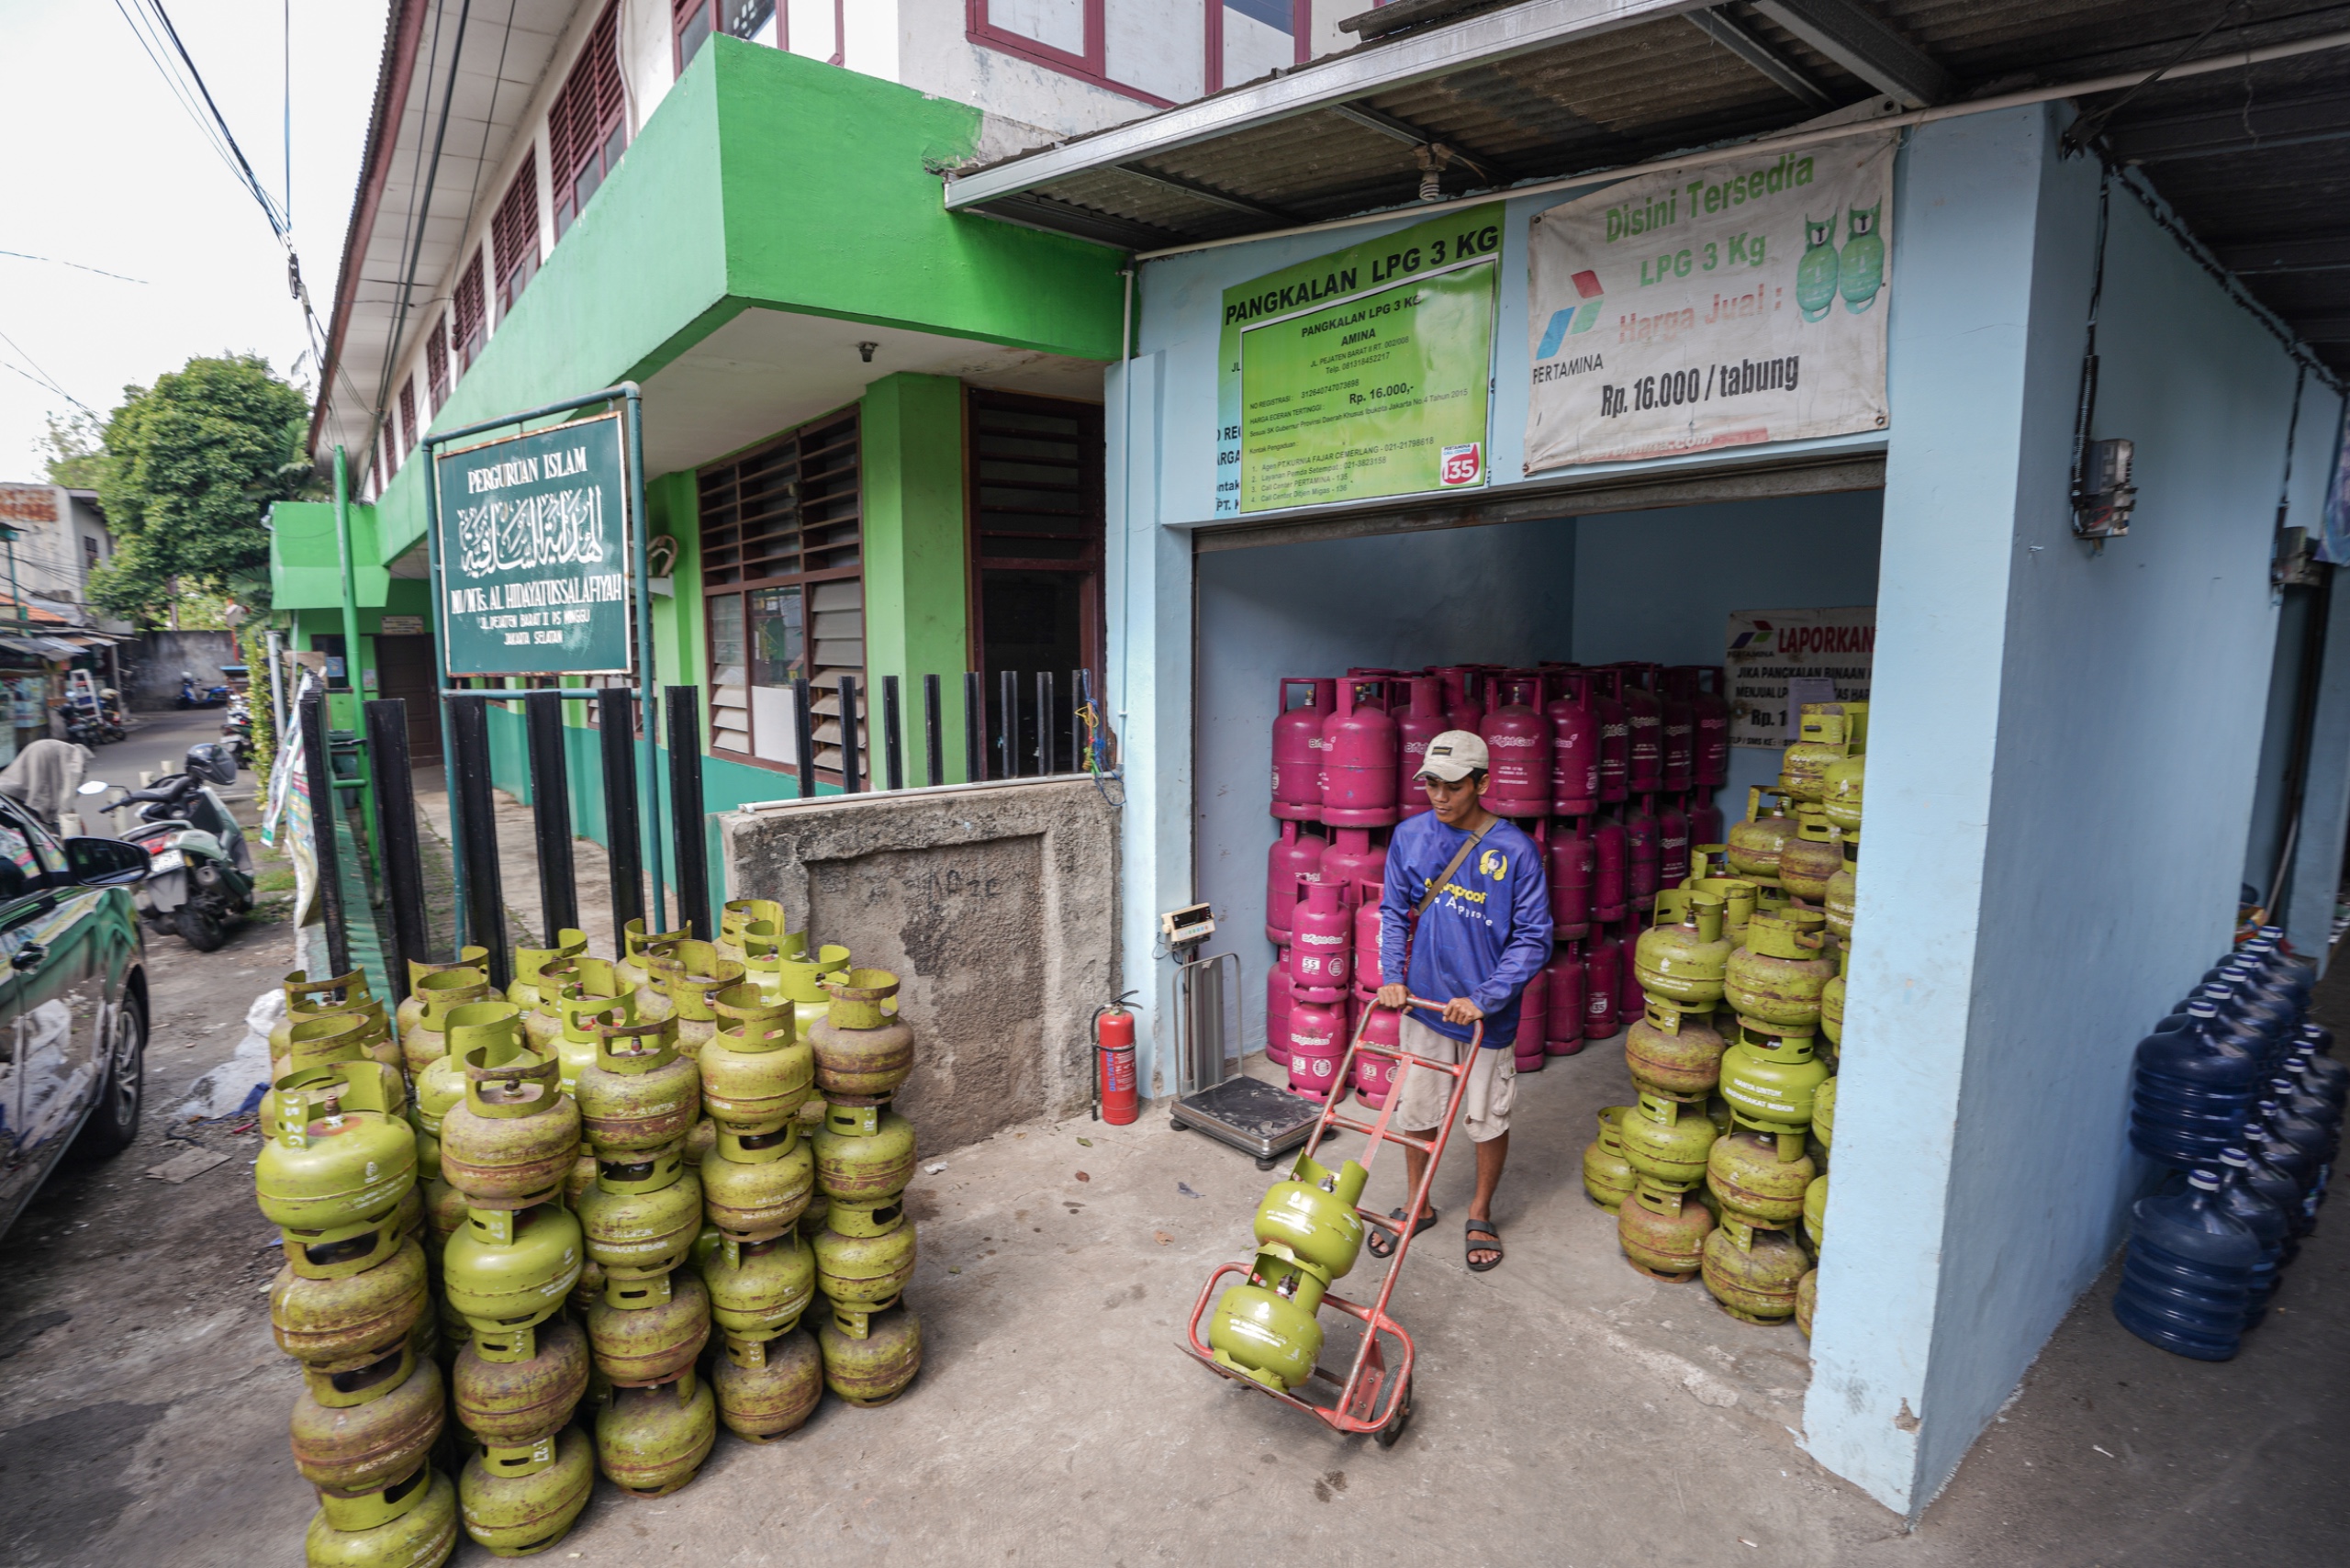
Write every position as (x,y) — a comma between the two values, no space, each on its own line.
(77,450)
(190,468)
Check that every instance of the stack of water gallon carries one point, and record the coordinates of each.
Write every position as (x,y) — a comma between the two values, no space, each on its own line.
(2238,1092)
(1611,768)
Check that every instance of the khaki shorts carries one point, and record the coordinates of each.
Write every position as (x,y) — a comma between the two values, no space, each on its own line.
(1485,1106)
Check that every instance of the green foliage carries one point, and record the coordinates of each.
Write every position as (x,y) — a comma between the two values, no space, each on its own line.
(252,646)
(190,468)
(77,455)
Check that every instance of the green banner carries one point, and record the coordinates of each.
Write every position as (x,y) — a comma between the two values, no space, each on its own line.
(1362,373)
(534,552)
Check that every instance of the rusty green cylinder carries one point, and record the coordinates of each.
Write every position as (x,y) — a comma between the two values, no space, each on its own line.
(650,1441)
(640,1345)
(876,1366)
(1683,963)
(1778,976)
(754,1186)
(426,1041)
(1845,887)
(413,1524)
(518,1507)
(1667,1140)
(865,1272)
(640,1220)
(353,1320)
(1674,1053)
(856,1165)
(350,1448)
(756,1074)
(1607,1177)
(1749,1176)
(515,1135)
(775,1395)
(1821,743)
(760,1289)
(507,1272)
(1753,846)
(514,1404)
(864,1050)
(1663,1233)
(1807,1300)
(641,1094)
(1753,1273)
(1840,790)
(1771,1079)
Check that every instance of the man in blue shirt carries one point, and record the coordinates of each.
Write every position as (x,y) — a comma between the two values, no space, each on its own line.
(1466,892)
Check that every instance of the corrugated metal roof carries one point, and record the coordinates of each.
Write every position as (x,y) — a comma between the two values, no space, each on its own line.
(2254,159)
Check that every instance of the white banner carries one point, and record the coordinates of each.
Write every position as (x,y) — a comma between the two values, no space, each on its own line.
(1778,660)
(1726,305)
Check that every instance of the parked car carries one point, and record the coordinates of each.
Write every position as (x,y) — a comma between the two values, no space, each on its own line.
(73,1001)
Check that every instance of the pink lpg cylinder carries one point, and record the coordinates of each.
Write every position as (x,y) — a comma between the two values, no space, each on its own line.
(1672,844)
(1367,969)
(1709,709)
(1600,963)
(1640,853)
(1563,1020)
(1705,817)
(1319,957)
(1533,1023)
(1676,688)
(1574,744)
(1352,859)
(1631,1001)
(1614,732)
(1607,895)
(1644,730)
(1519,741)
(1567,861)
(1375,1075)
(1278,1005)
(1316,1043)
(1297,746)
(1295,854)
(1464,702)
(1358,759)
(1421,721)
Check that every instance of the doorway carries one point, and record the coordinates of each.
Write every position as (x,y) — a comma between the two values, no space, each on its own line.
(404,670)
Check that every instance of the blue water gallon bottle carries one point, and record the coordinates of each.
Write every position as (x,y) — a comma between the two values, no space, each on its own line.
(2190,1092)
(2265,1218)
(2186,1279)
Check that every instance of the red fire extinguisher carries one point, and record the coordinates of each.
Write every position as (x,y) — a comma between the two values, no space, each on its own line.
(1114,1097)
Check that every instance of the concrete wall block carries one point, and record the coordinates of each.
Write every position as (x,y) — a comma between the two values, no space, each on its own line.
(997,906)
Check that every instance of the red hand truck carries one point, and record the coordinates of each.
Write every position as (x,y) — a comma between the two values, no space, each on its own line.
(1358,1406)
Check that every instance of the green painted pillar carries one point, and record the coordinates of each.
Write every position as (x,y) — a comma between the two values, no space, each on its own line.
(917,594)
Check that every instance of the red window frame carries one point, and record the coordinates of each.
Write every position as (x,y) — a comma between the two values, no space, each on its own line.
(588,115)
(436,362)
(1093,65)
(514,234)
(468,313)
(409,429)
(1301,29)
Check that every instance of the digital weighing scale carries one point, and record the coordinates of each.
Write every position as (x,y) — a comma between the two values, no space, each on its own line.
(1262,1120)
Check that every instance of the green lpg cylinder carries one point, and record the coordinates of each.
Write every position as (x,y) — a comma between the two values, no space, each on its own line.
(529,961)
(1843,886)
(1753,1273)
(512,1407)
(516,1508)
(755,1072)
(1607,1177)
(736,916)
(864,1258)
(1815,1211)
(1807,1300)
(765,945)
(334,1170)
(804,980)
(876,1366)
(1310,1219)
(641,1094)
(509,1271)
(1674,1054)
(413,1524)
(640,1221)
(352,1321)
(1265,1336)
(1756,844)
(1840,794)
(308,999)
(862,1160)
(1803,767)
(411,1007)
(362,1436)
(341,1038)
(758,1292)
(1823,1114)
(1667,1141)
(515,1135)
(1813,855)
(639,952)
(650,1441)
(592,992)
(1777,977)
(693,979)
(426,1040)
(1664,1232)
(1750,1177)
(755,1185)
(865,1052)
(638,1346)
(774,1395)
(1832,996)
(1771,1079)
(1683,964)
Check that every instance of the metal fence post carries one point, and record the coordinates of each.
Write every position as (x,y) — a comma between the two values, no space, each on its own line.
(1077,684)
(484,885)
(975,718)
(551,814)
(318,769)
(1007,724)
(684,704)
(932,738)
(894,751)
(624,852)
(852,775)
(395,819)
(1045,706)
(803,737)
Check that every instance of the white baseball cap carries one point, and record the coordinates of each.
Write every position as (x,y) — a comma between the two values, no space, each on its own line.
(1454,755)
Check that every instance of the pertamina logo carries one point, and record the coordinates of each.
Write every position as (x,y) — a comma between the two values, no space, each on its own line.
(1462,465)
(1576,319)
(1492,863)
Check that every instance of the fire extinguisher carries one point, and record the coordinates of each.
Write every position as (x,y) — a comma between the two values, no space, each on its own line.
(1115,1098)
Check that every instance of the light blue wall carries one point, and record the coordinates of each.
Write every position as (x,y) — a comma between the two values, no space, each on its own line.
(2326,813)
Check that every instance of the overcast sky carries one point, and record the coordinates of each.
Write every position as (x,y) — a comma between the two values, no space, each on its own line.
(105,169)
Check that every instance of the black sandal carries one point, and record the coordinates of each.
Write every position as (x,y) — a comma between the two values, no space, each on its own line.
(1482,1228)
(1378,1234)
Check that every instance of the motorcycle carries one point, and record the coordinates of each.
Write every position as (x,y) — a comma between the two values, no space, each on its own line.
(237,731)
(193,696)
(200,868)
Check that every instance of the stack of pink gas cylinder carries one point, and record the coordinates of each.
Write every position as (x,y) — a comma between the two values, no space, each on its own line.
(1611,768)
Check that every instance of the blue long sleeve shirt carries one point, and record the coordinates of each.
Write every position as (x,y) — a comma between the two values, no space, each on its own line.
(1488,932)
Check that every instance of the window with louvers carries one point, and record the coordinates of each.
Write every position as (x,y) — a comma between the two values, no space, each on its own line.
(436,365)
(468,314)
(410,429)
(514,234)
(586,125)
(781,561)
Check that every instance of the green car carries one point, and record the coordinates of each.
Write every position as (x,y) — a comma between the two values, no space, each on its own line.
(72,1000)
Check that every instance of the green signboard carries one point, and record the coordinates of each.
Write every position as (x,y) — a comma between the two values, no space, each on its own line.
(1362,373)
(534,552)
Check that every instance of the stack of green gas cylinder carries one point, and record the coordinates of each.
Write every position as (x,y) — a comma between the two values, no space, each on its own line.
(610,1175)
(1718,1170)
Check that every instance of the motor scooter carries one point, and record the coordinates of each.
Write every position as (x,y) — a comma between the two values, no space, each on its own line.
(193,696)
(200,869)
(237,731)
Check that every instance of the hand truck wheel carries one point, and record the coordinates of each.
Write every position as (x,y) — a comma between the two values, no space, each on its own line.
(1388,1435)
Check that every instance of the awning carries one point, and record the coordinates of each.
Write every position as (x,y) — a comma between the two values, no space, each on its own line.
(44,648)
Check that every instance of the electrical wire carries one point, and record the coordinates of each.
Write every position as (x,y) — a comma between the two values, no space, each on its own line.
(44,378)
(77,266)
